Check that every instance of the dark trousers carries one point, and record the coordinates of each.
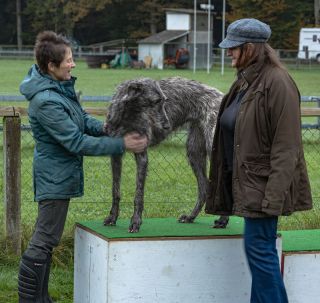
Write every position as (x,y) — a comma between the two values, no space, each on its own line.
(48,228)
(260,246)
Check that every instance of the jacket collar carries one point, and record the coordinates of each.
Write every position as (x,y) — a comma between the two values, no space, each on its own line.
(65,88)
(250,73)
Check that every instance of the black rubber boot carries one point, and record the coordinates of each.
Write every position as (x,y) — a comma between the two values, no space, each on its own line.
(31,280)
(45,293)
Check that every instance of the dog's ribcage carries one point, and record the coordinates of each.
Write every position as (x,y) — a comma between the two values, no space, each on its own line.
(157,108)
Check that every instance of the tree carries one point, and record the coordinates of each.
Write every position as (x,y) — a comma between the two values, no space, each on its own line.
(286,17)
(19,28)
(78,9)
(47,15)
(122,19)
(316,12)
(101,20)
(8,23)
(152,14)
(58,15)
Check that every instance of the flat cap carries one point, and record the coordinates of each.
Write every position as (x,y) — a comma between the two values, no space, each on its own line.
(246,30)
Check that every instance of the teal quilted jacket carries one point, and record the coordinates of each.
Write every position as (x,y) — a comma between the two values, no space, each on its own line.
(63,133)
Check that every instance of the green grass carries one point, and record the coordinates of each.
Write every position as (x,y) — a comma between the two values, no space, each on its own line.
(104,81)
(166,195)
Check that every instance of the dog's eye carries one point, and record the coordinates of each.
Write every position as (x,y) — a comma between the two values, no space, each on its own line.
(155,99)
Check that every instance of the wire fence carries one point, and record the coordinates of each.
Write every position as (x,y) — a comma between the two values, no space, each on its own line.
(107,52)
(163,163)
(171,187)
(170,184)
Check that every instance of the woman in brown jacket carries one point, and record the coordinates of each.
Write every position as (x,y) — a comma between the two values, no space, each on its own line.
(257,168)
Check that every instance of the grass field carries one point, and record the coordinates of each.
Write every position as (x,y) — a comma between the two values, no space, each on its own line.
(165,195)
(104,81)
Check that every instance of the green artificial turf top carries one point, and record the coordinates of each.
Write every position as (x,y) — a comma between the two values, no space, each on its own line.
(293,240)
(165,227)
(301,240)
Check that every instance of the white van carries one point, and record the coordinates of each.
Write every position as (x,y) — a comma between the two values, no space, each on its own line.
(309,44)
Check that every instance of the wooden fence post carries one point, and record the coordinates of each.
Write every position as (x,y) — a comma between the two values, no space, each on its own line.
(12,182)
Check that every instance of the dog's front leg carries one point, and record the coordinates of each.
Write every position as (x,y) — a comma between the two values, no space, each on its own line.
(142,166)
(116,165)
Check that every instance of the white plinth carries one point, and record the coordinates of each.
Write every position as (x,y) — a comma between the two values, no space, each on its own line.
(301,273)
(160,270)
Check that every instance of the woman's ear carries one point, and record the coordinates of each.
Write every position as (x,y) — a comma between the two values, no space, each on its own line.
(51,67)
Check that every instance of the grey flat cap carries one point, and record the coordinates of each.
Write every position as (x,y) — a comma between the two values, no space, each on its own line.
(244,31)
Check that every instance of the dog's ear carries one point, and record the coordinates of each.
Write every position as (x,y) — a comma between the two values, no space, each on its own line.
(123,100)
(135,90)
(114,114)
(155,95)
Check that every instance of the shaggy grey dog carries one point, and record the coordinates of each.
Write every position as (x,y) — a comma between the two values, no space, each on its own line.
(156,109)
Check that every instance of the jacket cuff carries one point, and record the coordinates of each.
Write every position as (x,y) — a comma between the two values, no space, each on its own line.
(272,208)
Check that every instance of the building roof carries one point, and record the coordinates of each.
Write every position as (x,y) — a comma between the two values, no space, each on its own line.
(185,11)
(164,36)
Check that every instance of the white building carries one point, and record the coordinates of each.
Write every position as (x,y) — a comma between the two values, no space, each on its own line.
(179,33)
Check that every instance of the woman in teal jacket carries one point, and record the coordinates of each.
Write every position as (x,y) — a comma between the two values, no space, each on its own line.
(63,133)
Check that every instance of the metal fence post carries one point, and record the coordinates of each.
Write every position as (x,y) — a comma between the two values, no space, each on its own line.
(12,181)
(318,103)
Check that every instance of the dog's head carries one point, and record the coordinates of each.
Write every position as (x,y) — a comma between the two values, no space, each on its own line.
(134,99)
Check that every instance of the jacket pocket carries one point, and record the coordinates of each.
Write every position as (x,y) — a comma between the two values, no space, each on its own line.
(68,173)
(56,171)
(255,177)
(297,186)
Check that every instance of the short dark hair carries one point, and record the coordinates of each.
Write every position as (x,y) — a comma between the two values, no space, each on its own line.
(50,47)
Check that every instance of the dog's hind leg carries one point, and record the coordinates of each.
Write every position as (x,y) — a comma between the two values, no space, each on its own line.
(197,155)
(116,165)
(221,222)
(142,166)
(196,151)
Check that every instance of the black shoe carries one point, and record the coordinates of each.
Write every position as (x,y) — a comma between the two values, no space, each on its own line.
(32,275)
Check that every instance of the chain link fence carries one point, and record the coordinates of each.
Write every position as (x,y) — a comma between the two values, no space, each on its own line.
(171,188)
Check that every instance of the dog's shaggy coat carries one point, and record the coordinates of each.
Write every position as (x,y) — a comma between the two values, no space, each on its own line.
(156,109)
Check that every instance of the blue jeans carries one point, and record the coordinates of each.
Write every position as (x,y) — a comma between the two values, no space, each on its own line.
(260,246)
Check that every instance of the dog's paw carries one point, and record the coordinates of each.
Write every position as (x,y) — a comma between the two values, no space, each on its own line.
(185,219)
(222,222)
(109,221)
(135,223)
(134,228)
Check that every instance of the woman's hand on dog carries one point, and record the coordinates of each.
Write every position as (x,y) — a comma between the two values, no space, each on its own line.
(135,142)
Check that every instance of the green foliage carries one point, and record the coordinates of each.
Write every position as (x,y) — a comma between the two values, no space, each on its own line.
(122,19)
(285,17)
(91,21)
(59,15)
(78,9)
(152,12)
(46,15)
(8,22)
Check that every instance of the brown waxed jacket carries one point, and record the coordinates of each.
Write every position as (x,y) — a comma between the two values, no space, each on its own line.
(269,171)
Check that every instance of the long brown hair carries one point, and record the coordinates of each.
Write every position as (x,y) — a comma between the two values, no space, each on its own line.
(258,52)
